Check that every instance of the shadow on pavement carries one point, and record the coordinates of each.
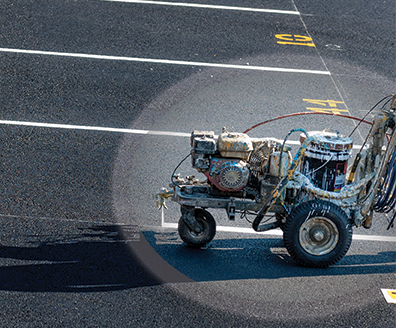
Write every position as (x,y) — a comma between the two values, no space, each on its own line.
(111,257)
(257,258)
(97,259)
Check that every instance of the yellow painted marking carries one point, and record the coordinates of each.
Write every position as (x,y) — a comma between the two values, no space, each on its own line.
(331,103)
(328,106)
(392,294)
(287,37)
(300,40)
(297,43)
(326,110)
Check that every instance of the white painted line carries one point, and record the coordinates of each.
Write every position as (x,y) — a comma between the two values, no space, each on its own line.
(162,61)
(168,133)
(280,233)
(206,6)
(81,287)
(94,128)
(249,230)
(388,264)
(374,238)
(169,225)
(231,229)
(73,127)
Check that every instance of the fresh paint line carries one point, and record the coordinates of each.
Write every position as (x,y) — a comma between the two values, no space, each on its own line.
(94,128)
(374,238)
(275,232)
(207,6)
(72,127)
(280,233)
(230,229)
(162,61)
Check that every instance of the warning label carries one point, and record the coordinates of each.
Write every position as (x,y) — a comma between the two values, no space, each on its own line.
(390,295)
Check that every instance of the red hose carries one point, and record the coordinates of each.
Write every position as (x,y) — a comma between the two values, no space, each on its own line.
(306,113)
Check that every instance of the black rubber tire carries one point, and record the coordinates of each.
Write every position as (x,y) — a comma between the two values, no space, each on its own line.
(198,240)
(317,234)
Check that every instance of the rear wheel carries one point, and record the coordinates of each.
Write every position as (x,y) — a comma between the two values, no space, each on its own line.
(198,239)
(317,234)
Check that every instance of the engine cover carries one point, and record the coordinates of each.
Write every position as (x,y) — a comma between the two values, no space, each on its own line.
(228,174)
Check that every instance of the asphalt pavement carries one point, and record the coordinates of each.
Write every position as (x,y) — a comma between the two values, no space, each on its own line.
(98,99)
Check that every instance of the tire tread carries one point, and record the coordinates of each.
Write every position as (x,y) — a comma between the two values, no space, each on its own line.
(289,230)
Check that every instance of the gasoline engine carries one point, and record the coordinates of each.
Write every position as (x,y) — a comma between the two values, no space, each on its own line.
(237,165)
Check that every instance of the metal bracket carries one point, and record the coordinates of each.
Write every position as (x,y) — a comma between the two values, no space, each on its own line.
(231,208)
(188,215)
(270,226)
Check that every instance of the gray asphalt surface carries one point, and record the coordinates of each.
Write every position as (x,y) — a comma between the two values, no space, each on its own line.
(82,243)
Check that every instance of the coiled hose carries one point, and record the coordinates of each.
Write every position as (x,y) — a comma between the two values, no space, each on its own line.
(386,191)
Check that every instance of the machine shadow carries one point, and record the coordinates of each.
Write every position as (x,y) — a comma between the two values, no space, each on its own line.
(257,258)
(94,259)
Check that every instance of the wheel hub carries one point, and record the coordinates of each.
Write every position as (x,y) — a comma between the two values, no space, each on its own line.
(318,235)
(198,231)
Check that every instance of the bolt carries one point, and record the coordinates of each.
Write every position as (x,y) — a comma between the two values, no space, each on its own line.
(318,236)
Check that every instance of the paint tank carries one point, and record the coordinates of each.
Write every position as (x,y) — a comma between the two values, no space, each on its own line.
(326,160)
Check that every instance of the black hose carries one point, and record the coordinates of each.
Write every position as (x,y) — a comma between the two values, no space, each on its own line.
(181,162)
(387,190)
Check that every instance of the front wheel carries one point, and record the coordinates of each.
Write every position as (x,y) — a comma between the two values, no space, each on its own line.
(317,234)
(208,229)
